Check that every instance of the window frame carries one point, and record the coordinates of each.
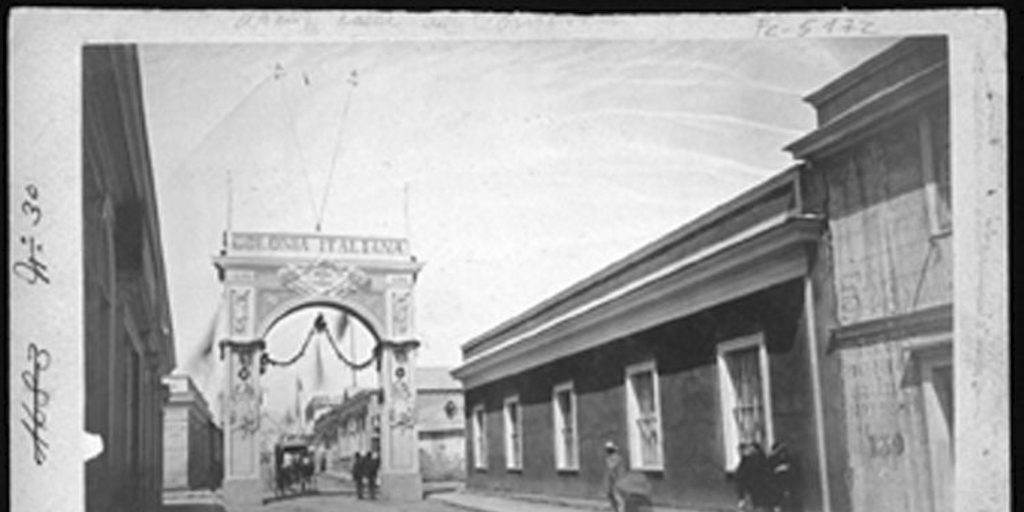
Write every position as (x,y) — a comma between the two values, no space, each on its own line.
(939,424)
(511,463)
(479,419)
(632,415)
(727,399)
(561,459)
(934,199)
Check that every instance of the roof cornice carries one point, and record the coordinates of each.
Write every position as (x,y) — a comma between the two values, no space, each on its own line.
(847,129)
(543,311)
(678,290)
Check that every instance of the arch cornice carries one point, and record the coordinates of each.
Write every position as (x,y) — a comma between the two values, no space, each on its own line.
(225,262)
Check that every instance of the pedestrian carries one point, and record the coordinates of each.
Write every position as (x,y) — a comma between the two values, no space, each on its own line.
(358,473)
(634,491)
(784,496)
(613,471)
(372,467)
(753,484)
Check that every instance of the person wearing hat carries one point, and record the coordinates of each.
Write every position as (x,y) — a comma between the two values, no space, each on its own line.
(613,472)
(359,473)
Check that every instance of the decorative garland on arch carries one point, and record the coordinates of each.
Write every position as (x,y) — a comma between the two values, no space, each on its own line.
(319,326)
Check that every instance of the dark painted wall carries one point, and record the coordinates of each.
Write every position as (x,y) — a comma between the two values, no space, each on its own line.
(124,410)
(685,352)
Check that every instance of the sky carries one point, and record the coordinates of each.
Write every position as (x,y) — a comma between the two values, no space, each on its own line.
(514,168)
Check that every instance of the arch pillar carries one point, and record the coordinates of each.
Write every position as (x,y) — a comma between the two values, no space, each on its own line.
(242,486)
(400,476)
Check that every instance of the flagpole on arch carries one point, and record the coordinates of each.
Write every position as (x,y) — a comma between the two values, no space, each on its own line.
(405,213)
(228,213)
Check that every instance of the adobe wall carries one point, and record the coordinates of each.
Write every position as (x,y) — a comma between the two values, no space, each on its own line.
(685,353)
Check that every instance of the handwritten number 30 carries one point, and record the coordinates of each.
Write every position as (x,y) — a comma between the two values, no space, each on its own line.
(29,206)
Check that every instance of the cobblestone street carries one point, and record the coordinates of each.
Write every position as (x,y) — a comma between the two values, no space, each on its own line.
(332,495)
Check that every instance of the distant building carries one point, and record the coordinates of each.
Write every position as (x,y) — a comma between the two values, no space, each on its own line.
(354,425)
(442,431)
(193,443)
(128,342)
(320,404)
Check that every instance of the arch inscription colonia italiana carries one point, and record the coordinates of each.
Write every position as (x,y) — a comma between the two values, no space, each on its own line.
(266,276)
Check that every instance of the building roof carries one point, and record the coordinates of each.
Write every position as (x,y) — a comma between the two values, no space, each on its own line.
(912,72)
(185,392)
(751,242)
(436,378)
(638,262)
(874,67)
(112,85)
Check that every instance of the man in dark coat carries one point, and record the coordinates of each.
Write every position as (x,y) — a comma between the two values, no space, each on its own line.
(785,478)
(614,468)
(372,467)
(359,473)
(753,478)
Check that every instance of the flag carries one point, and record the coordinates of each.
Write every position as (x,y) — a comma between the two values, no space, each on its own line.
(342,325)
(318,376)
(200,357)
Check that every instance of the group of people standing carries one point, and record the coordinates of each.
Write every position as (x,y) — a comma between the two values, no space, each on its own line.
(365,467)
(764,482)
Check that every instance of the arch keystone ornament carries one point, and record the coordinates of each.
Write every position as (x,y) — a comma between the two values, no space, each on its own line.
(266,277)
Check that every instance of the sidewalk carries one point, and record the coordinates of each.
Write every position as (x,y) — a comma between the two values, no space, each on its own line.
(192,501)
(493,502)
(344,480)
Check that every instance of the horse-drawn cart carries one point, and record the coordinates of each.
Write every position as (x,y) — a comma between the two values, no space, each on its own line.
(293,467)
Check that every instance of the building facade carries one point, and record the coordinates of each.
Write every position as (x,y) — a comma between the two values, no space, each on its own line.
(678,353)
(128,344)
(813,309)
(354,425)
(442,431)
(193,443)
(878,168)
(350,427)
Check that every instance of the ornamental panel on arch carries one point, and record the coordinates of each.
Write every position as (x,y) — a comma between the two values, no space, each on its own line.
(268,275)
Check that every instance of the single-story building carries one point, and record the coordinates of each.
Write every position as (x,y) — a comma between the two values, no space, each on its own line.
(677,353)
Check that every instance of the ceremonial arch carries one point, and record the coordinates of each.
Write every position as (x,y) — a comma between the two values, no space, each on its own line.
(266,277)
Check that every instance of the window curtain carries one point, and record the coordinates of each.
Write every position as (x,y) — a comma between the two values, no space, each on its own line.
(568,436)
(745,371)
(647,420)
